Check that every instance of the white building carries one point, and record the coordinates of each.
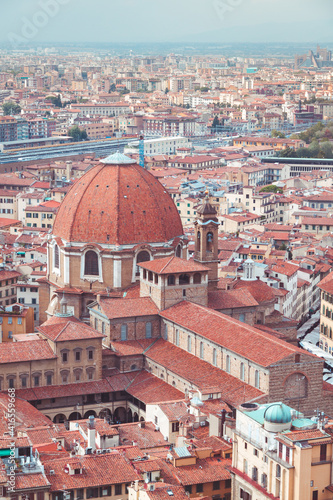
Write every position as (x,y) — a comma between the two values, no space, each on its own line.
(159,146)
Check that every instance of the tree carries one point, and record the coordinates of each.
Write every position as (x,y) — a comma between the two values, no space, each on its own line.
(287,153)
(326,149)
(277,133)
(215,122)
(271,189)
(204,89)
(11,108)
(77,134)
(56,101)
(166,90)
(303,153)
(112,88)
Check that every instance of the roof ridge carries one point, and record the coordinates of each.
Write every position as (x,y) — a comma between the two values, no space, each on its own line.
(232,320)
(61,331)
(171,258)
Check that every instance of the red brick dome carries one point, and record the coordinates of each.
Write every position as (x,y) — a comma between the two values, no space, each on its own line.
(117,202)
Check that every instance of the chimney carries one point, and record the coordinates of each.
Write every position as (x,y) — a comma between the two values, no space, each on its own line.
(91,433)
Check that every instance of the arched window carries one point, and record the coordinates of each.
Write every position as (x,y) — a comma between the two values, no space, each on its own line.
(227,367)
(148,330)
(242,371)
(91,263)
(56,257)
(210,241)
(189,343)
(142,256)
(123,332)
(214,357)
(178,251)
(201,350)
(257,379)
(171,279)
(198,242)
(197,278)
(184,279)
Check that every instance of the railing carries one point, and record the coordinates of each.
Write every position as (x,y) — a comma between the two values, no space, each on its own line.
(321,460)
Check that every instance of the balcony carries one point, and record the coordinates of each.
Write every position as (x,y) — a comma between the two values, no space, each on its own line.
(320,460)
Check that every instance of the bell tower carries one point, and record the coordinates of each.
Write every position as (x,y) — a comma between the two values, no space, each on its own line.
(206,228)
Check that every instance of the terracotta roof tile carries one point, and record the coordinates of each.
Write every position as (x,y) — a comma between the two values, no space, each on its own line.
(118,204)
(67,330)
(172,264)
(30,350)
(234,335)
(124,308)
(97,470)
(201,374)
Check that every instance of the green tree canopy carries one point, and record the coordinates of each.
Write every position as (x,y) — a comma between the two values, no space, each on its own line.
(11,108)
(56,101)
(277,133)
(271,189)
(77,134)
(215,122)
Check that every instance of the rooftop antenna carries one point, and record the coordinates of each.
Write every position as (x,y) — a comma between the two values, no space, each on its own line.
(141,150)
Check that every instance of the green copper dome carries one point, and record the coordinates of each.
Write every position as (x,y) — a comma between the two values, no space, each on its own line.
(277,413)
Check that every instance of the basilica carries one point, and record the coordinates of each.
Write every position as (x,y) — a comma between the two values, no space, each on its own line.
(128,319)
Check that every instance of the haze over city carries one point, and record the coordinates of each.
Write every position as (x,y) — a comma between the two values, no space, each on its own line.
(133,21)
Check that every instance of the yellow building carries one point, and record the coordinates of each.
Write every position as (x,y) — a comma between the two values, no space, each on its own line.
(279,454)
(326,314)
(16,319)
(42,215)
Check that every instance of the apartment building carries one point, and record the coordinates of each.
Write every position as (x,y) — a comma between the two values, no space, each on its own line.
(8,280)
(42,215)
(102,109)
(16,319)
(326,314)
(278,453)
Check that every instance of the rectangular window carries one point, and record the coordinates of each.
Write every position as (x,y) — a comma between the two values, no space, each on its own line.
(36,381)
(199,488)
(48,379)
(90,354)
(19,321)
(148,330)
(77,356)
(175,426)
(10,320)
(24,382)
(216,485)
(118,489)
(64,357)
(123,332)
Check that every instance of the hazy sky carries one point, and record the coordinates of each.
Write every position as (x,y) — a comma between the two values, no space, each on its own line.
(166,20)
